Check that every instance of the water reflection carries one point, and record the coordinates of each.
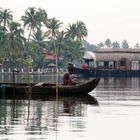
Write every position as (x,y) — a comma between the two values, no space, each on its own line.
(77,118)
(118,89)
(37,117)
(120,83)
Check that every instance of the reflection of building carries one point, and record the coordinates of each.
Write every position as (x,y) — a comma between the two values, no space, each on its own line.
(111,60)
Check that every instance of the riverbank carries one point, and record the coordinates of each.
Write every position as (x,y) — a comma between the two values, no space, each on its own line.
(33,72)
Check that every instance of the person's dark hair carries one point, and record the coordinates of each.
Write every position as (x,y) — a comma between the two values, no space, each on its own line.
(70,68)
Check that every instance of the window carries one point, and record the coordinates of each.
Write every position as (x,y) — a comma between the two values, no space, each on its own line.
(123,62)
(101,63)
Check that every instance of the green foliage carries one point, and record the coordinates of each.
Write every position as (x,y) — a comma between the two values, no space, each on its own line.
(28,63)
(5,17)
(88,47)
(27,78)
(115,45)
(108,43)
(77,31)
(44,34)
(100,45)
(125,44)
(137,45)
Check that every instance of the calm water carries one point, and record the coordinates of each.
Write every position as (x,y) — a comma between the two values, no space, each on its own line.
(117,117)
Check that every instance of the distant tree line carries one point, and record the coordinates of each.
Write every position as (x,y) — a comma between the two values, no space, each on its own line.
(109,44)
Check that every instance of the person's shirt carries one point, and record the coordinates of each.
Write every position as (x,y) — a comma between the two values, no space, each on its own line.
(67,79)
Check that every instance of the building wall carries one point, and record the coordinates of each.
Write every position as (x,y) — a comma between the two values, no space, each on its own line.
(114,56)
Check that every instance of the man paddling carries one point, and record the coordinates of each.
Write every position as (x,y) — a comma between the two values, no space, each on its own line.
(67,80)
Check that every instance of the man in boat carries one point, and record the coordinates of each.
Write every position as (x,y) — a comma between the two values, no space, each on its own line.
(67,80)
(85,66)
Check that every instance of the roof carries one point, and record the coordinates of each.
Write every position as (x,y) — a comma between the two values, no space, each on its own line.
(52,65)
(49,56)
(118,50)
(118,54)
(89,55)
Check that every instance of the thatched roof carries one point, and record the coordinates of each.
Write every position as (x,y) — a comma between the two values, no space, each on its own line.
(117,54)
(118,50)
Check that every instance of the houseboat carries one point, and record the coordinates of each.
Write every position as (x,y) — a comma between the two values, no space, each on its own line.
(112,63)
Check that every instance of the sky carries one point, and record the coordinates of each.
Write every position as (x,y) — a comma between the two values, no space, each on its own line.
(117,20)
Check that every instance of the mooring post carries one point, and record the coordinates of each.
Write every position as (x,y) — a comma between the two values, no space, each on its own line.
(14,80)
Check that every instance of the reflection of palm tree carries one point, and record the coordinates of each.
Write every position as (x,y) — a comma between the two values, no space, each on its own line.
(5,16)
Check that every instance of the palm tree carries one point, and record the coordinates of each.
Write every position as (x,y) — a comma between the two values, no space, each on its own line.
(61,41)
(53,26)
(5,16)
(32,20)
(71,31)
(14,41)
(2,38)
(42,15)
(73,51)
(2,34)
(78,51)
(39,38)
(81,30)
(41,43)
(77,31)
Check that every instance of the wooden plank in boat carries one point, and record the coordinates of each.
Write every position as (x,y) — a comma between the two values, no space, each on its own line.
(39,84)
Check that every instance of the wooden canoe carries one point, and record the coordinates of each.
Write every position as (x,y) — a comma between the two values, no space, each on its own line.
(21,89)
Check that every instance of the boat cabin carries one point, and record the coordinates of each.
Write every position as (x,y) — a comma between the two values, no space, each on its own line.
(116,59)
